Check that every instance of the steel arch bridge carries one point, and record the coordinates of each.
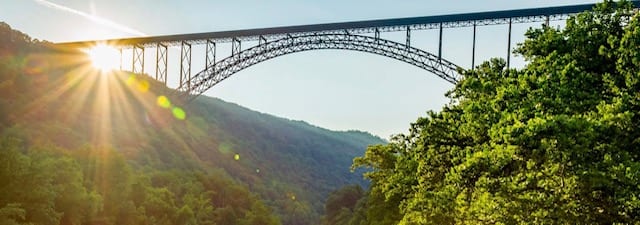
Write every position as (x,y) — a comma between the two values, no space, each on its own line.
(363,36)
(224,68)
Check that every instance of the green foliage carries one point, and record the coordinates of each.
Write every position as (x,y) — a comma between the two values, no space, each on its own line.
(553,143)
(79,147)
(281,158)
(11,214)
(57,186)
(76,174)
(341,204)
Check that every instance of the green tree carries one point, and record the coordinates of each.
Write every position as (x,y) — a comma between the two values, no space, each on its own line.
(160,206)
(553,143)
(27,193)
(341,204)
(259,214)
(12,214)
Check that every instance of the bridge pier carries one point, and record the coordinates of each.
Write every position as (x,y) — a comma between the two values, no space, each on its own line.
(473,48)
(185,64)
(210,57)
(509,46)
(120,50)
(137,65)
(235,47)
(262,40)
(408,43)
(440,44)
(546,20)
(161,63)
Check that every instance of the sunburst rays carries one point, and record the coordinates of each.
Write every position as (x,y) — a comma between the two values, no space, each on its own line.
(77,90)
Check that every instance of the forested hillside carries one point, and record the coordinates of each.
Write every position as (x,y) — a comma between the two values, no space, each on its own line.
(291,163)
(556,142)
(78,146)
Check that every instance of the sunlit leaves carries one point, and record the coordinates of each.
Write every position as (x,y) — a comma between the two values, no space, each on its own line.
(553,143)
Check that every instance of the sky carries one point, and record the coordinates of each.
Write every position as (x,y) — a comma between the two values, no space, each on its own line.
(337,90)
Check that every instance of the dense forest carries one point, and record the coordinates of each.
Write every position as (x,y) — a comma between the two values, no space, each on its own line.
(69,156)
(556,142)
(78,146)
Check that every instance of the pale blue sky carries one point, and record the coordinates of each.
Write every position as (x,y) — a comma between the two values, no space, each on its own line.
(338,90)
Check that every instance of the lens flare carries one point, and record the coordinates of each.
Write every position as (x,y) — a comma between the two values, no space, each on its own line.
(163,102)
(131,80)
(178,113)
(143,86)
(104,57)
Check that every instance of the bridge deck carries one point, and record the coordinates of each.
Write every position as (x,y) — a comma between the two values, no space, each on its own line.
(369,26)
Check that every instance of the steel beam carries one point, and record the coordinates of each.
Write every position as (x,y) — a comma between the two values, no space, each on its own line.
(290,37)
(236,47)
(546,20)
(137,64)
(509,47)
(440,43)
(226,67)
(185,65)
(377,35)
(473,49)
(361,27)
(210,57)
(262,40)
(408,42)
(161,63)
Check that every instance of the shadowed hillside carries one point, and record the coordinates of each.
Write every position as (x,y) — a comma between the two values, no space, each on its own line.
(203,163)
(284,152)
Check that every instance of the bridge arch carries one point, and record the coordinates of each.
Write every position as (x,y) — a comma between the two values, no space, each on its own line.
(224,68)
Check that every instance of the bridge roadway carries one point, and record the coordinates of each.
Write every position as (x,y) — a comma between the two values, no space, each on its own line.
(277,41)
(358,27)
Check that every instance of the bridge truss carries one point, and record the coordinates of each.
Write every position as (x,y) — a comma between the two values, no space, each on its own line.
(222,69)
(361,36)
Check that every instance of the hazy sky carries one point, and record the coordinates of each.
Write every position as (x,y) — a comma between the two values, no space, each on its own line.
(339,90)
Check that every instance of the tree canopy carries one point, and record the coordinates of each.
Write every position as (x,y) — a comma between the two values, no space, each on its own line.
(556,142)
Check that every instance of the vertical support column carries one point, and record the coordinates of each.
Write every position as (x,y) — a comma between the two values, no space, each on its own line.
(262,40)
(473,48)
(440,44)
(509,47)
(137,65)
(235,47)
(210,58)
(185,65)
(377,35)
(291,38)
(161,63)
(546,20)
(120,49)
(408,37)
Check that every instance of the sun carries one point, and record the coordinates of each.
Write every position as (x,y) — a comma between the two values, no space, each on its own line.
(104,57)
